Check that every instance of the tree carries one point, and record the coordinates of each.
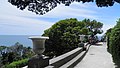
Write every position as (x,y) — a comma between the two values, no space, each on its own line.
(14,53)
(43,6)
(93,26)
(64,35)
(27,52)
(1,49)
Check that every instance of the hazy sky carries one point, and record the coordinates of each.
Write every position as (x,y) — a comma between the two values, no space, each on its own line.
(17,22)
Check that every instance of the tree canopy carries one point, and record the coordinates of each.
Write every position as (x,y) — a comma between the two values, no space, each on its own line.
(64,35)
(43,6)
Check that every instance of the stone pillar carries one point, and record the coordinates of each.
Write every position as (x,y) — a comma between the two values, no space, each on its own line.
(82,37)
(38,61)
(82,43)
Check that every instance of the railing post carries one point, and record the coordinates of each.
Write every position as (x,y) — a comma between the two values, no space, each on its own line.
(38,61)
(82,37)
(82,43)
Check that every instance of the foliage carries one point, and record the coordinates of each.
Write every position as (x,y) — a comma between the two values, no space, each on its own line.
(114,44)
(17,64)
(108,33)
(93,26)
(2,47)
(15,53)
(8,57)
(64,35)
(43,6)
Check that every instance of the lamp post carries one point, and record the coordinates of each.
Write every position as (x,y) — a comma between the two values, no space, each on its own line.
(38,61)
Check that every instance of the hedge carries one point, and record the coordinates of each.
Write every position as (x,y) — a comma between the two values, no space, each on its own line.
(114,42)
(17,64)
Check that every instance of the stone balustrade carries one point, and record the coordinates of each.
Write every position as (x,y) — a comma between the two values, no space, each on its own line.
(67,60)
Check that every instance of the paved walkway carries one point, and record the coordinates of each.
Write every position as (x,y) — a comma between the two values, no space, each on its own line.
(97,57)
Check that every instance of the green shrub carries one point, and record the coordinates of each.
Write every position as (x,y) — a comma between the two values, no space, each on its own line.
(114,42)
(108,34)
(17,64)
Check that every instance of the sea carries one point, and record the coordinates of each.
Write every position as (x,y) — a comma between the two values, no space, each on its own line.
(9,40)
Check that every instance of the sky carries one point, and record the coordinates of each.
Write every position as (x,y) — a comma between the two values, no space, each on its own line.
(17,22)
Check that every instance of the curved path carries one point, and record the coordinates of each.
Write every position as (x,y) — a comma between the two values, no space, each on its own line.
(97,57)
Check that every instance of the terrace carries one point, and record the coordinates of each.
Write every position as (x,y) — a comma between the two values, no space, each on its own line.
(94,56)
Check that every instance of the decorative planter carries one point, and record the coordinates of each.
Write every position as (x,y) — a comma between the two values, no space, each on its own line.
(38,44)
(38,61)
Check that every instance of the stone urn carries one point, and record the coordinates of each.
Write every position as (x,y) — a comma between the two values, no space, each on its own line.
(38,44)
(38,61)
(81,37)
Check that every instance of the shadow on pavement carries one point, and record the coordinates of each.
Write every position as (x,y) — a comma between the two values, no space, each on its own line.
(97,44)
(78,61)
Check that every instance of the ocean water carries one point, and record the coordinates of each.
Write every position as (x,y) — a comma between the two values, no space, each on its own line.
(9,40)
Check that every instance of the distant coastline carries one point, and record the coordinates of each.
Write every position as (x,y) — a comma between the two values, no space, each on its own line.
(9,40)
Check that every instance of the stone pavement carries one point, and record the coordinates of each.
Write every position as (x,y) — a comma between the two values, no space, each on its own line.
(97,57)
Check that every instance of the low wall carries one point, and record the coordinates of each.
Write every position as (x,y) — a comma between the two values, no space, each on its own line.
(69,59)
(65,58)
